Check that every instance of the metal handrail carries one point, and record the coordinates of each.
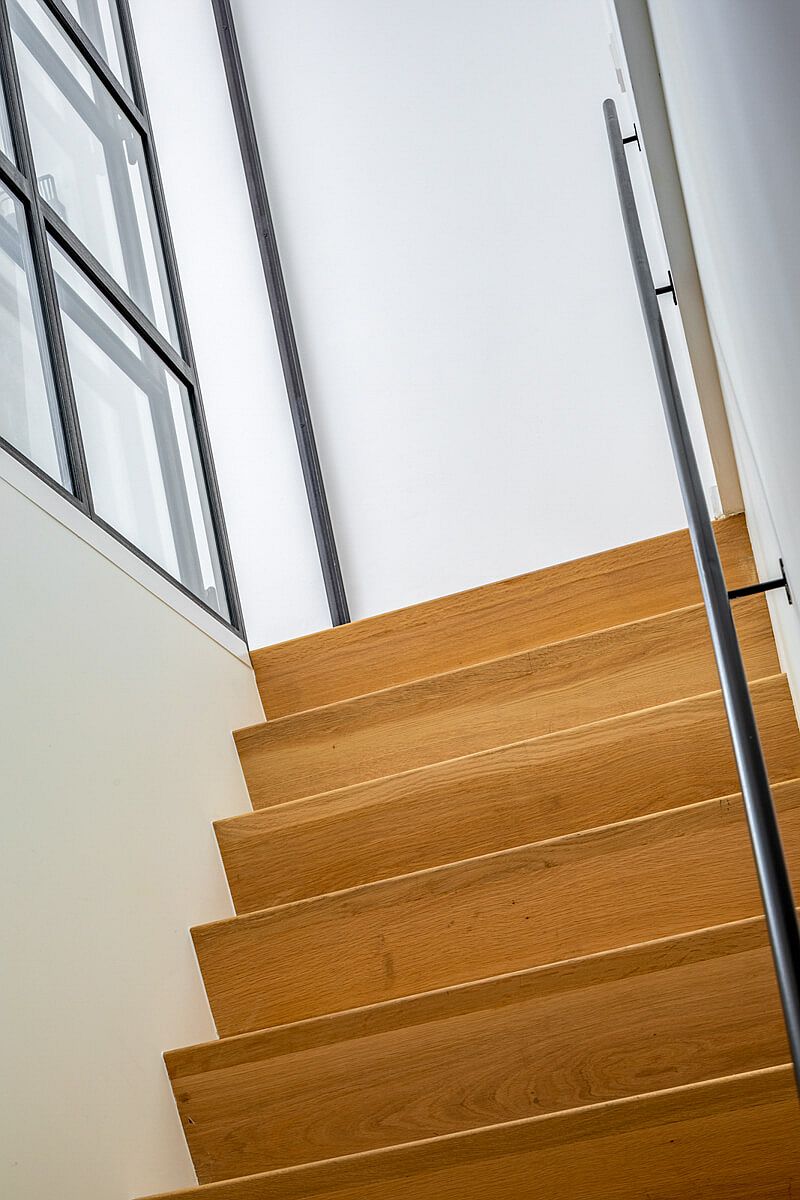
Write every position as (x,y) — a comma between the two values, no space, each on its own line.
(773,875)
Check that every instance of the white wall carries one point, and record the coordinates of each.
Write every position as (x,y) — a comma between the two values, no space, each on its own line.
(465,308)
(237,359)
(644,103)
(116,715)
(730,72)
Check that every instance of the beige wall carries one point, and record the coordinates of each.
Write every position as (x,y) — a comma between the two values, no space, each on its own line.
(115,714)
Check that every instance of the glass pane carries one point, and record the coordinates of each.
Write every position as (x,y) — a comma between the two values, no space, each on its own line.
(90,161)
(139,436)
(99,20)
(29,417)
(6,145)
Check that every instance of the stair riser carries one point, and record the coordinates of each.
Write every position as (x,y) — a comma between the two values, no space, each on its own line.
(556,687)
(425,1012)
(622,585)
(642,880)
(595,775)
(733,1139)
(657,1017)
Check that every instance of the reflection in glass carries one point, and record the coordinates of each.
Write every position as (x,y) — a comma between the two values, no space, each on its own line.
(6,145)
(141,447)
(99,20)
(90,161)
(29,417)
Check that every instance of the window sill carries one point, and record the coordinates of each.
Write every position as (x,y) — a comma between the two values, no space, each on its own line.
(47,498)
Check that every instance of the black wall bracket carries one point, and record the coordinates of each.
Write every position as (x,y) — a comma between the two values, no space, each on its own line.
(634,137)
(771,585)
(667,288)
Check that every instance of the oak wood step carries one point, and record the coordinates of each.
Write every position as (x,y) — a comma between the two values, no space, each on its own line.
(642,879)
(558,686)
(734,1138)
(612,588)
(643,762)
(648,1017)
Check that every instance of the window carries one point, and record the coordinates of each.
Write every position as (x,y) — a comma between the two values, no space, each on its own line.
(99,390)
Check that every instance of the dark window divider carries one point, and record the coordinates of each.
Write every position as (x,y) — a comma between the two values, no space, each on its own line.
(18,187)
(77,469)
(86,49)
(42,220)
(181,320)
(117,296)
(11,175)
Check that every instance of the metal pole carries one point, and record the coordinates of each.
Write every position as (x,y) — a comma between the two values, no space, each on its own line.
(281,315)
(773,875)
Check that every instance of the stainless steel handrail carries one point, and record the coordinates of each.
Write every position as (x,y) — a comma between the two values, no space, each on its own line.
(773,875)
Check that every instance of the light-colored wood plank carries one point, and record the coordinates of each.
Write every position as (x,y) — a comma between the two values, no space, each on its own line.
(613,588)
(730,1139)
(643,762)
(654,1016)
(648,878)
(554,687)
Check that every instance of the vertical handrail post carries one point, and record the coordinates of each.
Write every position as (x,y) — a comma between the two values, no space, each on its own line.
(762,821)
(281,314)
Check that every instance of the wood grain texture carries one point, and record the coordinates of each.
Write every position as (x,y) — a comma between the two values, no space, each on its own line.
(647,878)
(653,1016)
(731,1139)
(613,588)
(554,687)
(639,763)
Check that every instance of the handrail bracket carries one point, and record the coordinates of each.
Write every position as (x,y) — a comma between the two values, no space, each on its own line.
(771,585)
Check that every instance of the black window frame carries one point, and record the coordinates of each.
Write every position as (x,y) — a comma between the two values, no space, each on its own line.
(44,222)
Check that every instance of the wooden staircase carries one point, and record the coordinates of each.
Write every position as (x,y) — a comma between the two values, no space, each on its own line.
(498,932)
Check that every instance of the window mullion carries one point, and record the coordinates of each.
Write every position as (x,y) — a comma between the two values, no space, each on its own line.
(116,295)
(190,492)
(11,175)
(98,64)
(149,375)
(68,415)
(179,306)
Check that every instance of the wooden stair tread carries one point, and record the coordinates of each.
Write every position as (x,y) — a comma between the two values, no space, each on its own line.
(640,879)
(643,762)
(569,683)
(734,1138)
(647,1017)
(499,931)
(611,588)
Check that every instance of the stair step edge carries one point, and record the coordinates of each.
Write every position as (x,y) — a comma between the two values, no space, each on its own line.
(565,975)
(245,732)
(410,773)
(412,642)
(646,819)
(613,1117)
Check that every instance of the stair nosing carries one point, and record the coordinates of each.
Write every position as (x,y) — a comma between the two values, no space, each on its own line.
(409,772)
(575,963)
(492,856)
(248,731)
(763,1078)
(334,630)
